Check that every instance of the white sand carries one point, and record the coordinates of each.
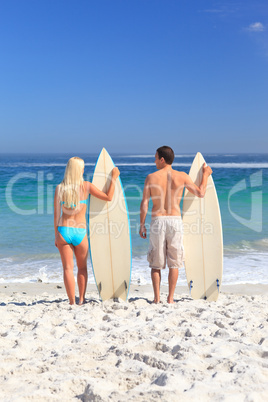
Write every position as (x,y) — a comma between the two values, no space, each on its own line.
(134,351)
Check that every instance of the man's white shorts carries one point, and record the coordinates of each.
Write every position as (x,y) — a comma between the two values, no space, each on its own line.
(166,242)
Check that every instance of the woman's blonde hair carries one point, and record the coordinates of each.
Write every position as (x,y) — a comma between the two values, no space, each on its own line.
(70,187)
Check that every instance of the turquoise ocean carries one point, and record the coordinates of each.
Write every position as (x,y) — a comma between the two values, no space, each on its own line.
(27,250)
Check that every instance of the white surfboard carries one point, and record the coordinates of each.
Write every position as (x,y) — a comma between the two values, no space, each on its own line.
(203,242)
(109,235)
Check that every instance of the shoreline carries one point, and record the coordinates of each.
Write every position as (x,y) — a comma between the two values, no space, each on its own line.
(37,288)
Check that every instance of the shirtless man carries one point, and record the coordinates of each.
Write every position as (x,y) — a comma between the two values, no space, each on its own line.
(165,188)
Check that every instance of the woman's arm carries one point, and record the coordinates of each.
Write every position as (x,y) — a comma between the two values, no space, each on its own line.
(93,190)
(57,211)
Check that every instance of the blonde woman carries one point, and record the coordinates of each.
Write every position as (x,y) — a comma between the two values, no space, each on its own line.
(70,204)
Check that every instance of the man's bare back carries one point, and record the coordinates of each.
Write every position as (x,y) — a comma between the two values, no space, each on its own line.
(166,189)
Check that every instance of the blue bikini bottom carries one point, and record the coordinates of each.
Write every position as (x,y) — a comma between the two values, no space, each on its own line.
(72,235)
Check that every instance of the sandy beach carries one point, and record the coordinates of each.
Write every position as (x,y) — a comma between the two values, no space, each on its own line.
(135,350)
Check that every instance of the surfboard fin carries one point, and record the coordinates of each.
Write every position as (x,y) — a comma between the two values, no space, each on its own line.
(218,285)
(125,285)
(99,287)
(191,286)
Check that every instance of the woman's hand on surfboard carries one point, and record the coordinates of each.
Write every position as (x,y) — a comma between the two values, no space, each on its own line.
(115,173)
(207,170)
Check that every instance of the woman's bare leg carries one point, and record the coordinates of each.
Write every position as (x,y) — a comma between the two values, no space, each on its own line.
(81,253)
(66,253)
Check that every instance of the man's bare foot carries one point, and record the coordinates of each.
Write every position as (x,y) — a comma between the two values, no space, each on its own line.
(81,302)
(156,301)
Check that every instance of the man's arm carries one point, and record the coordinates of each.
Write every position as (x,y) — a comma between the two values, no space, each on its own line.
(193,188)
(144,207)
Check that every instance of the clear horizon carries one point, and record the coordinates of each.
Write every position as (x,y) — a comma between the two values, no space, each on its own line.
(67,153)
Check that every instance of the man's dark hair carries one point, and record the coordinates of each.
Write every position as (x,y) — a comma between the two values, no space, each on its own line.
(167,153)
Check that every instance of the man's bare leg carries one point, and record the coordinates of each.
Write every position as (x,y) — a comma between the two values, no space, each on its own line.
(156,279)
(172,281)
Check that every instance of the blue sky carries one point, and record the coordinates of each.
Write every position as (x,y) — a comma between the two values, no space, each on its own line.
(132,75)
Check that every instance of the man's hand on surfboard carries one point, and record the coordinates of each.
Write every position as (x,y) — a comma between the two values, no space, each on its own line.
(207,170)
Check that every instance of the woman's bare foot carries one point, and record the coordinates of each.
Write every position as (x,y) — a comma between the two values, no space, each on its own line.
(170,300)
